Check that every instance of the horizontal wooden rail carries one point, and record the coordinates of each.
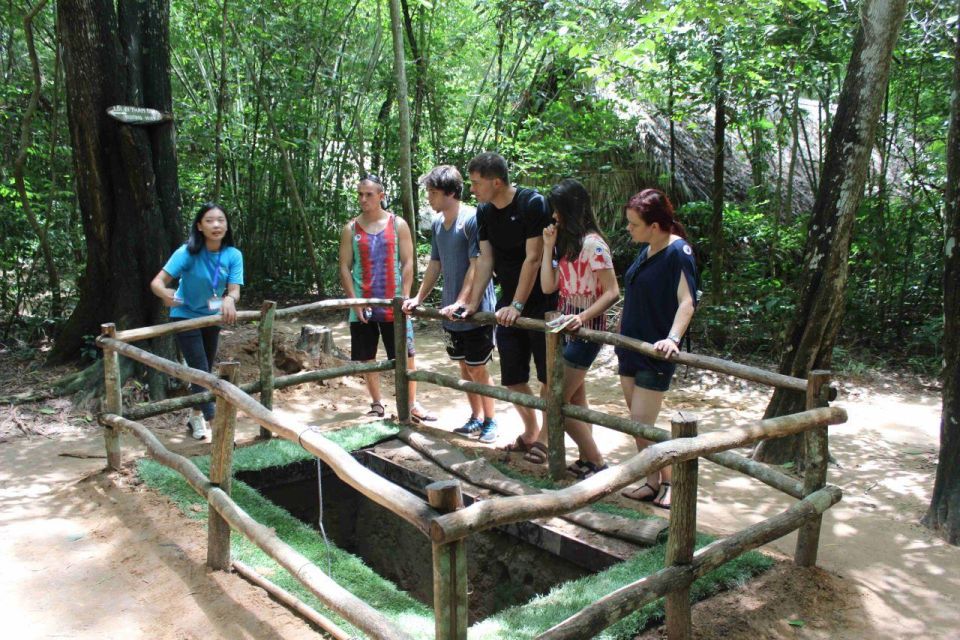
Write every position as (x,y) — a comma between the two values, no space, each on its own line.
(757,470)
(291,601)
(155,331)
(490,513)
(746,372)
(150,409)
(500,393)
(331,594)
(399,501)
(599,615)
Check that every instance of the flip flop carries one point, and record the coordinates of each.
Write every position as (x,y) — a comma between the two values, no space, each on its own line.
(637,493)
(537,454)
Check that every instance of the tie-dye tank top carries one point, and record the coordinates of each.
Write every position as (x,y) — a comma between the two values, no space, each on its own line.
(376,267)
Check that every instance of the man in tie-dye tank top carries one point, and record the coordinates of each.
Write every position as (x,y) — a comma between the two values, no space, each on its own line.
(376,261)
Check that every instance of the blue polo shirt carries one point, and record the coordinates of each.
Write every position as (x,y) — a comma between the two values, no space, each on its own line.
(650,299)
(197,274)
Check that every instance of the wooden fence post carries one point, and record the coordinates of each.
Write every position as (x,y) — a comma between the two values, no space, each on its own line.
(449,568)
(400,363)
(683,529)
(265,353)
(112,396)
(815,474)
(552,416)
(221,467)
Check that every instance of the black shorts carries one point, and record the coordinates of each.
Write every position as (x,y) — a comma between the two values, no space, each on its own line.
(474,347)
(364,338)
(515,347)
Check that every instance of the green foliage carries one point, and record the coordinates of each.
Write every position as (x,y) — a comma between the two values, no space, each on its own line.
(561,89)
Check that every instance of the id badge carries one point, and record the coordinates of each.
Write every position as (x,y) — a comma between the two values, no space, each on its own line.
(214,303)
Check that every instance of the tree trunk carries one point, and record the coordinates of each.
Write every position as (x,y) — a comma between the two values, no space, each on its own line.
(126,176)
(403,109)
(717,266)
(53,275)
(944,513)
(820,305)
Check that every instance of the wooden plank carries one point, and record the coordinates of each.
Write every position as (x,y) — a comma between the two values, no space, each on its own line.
(481,473)
(515,508)
(112,398)
(554,535)
(597,616)
(683,529)
(816,443)
(553,420)
(221,468)
(291,602)
(449,568)
(265,358)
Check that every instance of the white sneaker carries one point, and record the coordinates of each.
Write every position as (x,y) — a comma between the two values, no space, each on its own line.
(198,427)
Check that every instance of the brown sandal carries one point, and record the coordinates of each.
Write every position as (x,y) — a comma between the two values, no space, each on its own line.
(517,446)
(664,496)
(537,454)
(636,493)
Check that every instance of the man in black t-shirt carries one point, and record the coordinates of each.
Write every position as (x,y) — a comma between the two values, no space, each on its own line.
(510,223)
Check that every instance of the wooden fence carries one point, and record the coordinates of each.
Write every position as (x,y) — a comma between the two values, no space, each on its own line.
(443,517)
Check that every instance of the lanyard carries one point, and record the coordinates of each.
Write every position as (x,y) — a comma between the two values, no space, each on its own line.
(215,276)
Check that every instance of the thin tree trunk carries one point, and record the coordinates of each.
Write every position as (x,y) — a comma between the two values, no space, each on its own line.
(403,110)
(820,307)
(717,249)
(943,516)
(221,105)
(53,275)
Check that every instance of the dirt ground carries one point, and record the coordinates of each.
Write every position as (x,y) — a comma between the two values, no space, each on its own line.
(91,555)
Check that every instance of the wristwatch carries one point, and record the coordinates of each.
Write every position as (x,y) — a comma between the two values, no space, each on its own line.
(675,338)
(516,304)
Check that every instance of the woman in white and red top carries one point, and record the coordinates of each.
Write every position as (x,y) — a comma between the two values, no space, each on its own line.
(577,261)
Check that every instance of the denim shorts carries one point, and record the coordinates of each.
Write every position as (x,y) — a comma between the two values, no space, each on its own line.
(580,354)
(650,379)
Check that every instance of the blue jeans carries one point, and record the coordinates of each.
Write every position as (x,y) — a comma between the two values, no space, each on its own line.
(199,349)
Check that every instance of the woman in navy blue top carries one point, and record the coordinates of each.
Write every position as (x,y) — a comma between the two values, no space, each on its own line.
(658,303)
(210,271)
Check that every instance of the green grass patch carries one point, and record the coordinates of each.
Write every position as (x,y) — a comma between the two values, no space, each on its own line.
(519,622)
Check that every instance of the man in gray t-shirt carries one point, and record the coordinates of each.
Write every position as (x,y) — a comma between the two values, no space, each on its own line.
(454,251)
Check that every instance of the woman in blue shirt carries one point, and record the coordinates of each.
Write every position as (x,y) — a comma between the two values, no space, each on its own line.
(210,270)
(658,303)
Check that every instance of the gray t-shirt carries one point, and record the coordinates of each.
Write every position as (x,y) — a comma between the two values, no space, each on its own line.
(454,247)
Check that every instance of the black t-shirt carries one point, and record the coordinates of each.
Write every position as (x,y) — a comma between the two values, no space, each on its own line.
(508,230)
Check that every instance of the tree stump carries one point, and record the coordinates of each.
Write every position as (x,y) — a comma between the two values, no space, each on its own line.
(315,340)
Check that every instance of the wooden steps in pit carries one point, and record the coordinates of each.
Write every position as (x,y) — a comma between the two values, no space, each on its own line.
(480,472)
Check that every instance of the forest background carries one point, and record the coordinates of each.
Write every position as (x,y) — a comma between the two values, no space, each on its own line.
(278,106)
